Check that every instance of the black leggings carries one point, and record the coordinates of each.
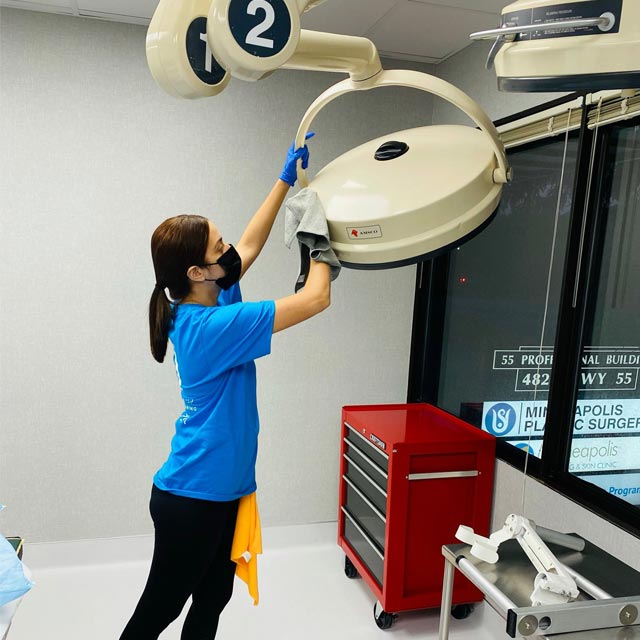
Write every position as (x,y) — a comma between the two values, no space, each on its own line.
(191,557)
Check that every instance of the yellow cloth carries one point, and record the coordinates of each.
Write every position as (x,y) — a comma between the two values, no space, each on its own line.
(247,544)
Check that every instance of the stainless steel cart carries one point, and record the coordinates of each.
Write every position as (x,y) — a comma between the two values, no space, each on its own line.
(507,587)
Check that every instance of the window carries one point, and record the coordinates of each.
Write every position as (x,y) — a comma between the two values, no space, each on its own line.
(531,330)
(605,448)
(498,325)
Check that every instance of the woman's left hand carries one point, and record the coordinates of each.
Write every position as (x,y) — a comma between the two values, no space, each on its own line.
(290,169)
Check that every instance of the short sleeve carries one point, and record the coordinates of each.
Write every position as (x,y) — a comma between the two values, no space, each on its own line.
(237,333)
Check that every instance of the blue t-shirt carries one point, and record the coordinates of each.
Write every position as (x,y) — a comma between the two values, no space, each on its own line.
(214,450)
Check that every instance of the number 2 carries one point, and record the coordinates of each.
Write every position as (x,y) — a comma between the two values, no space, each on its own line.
(255,35)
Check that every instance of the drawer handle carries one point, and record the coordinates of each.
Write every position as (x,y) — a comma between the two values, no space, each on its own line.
(443,474)
(370,444)
(368,502)
(363,533)
(367,460)
(365,476)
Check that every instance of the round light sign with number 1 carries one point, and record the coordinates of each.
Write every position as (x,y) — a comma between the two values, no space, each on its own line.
(202,62)
(261,27)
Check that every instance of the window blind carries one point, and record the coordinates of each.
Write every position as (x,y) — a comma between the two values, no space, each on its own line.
(604,108)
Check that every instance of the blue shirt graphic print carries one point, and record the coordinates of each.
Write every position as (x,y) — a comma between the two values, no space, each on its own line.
(214,449)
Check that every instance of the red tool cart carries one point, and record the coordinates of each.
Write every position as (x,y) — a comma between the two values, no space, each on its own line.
(410,474)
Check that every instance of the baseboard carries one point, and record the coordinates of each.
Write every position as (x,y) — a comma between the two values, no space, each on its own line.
(70,553)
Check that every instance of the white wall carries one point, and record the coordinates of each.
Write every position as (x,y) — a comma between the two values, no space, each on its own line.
(94,157)
(546,507)
(466,70)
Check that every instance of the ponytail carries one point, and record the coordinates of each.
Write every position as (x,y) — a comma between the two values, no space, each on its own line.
(160,316)
(176,244)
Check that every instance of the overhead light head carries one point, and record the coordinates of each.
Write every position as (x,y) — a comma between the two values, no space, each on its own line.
(408,196)
(551,46)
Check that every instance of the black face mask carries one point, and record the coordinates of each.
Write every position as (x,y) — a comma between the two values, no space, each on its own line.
(231,262)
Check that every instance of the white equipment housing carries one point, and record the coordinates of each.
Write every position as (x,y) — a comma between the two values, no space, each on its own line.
(583,45)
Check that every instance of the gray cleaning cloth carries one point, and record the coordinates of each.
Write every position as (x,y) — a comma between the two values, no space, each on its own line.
(305,220)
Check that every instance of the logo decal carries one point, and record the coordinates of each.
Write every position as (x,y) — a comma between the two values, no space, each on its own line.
(377,440)
(500,419)
(364,233)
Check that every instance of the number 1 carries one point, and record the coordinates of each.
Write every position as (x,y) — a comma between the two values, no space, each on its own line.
(209,55)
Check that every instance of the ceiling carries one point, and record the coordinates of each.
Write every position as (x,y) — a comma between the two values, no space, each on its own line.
(423,30)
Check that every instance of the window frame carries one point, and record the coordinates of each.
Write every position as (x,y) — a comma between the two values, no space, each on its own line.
(578,291)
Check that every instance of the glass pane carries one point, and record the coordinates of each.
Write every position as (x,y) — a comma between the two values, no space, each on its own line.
(606,442)
(494,373)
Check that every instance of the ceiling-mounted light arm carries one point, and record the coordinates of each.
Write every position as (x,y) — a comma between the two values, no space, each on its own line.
(332,52)
(415,80)
(251,40)
(318,51)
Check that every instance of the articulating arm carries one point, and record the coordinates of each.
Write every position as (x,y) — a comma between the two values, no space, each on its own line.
(553,584)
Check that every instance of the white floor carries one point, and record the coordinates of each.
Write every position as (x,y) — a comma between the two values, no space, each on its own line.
(87,591)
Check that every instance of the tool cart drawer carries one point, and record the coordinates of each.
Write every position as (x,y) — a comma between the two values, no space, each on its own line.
(368,552)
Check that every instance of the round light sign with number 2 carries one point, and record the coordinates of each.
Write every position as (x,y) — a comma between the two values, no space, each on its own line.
(261,27)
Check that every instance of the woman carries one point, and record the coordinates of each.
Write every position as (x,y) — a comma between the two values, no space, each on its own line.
(216,337)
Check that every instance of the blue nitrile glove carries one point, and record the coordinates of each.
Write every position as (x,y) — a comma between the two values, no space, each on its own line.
(289,171)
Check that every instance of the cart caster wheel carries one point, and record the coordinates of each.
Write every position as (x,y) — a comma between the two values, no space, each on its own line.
(461,611)
(383,619)
(349,569)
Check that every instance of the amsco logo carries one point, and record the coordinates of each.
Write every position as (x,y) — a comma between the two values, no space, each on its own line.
(500,419)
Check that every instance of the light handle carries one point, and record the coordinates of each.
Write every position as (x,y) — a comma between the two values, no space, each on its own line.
(414,80)
(604,23)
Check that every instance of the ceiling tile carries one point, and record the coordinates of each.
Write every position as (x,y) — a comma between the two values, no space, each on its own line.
(488,6)
(40,5)
(427,30)
(138,8)
(348,17)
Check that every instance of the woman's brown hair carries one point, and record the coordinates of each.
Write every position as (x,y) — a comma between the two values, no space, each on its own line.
(177,244)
